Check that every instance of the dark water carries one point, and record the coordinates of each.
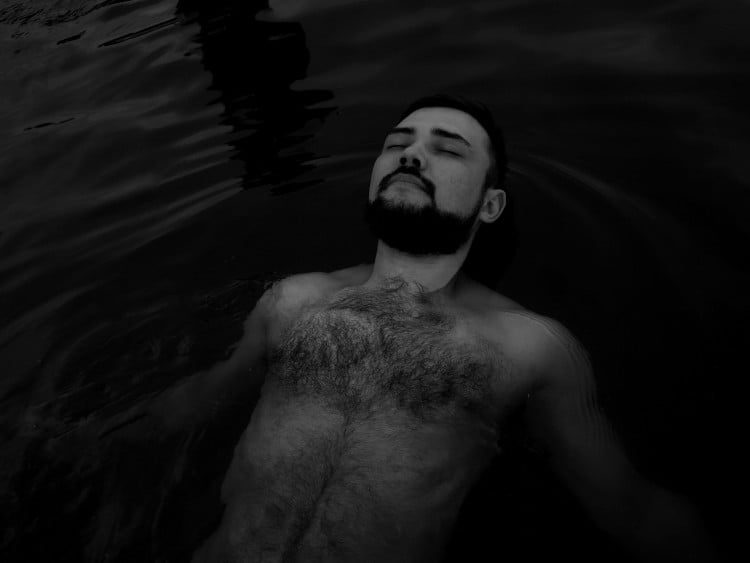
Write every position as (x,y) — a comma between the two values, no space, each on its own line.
(160,161)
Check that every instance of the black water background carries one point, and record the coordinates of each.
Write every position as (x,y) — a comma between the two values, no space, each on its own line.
(162,161)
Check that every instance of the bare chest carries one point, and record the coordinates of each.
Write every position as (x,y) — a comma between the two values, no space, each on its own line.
(394,347)
(375,419)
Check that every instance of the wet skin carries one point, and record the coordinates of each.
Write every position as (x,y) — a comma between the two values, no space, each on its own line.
(379,409)
(381,401)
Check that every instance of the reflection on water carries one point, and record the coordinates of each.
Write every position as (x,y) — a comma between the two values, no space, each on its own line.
(161,161)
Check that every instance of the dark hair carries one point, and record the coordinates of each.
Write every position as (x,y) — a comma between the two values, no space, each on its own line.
(495,243)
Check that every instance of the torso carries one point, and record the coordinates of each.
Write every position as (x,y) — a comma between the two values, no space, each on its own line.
(378,413)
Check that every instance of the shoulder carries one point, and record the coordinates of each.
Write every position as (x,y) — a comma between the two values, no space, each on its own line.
(480,299)
(284,300)
(542,347)
(353,275)
(533,341)
(293,292)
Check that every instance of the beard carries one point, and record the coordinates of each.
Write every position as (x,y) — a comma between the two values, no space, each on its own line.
(419,231)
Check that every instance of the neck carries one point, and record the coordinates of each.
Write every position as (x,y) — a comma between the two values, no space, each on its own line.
(437,274)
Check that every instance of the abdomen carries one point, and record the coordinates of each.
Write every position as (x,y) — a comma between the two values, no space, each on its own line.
(307,485)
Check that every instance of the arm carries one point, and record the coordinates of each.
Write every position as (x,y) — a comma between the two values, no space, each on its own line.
(565,422)
(230,381)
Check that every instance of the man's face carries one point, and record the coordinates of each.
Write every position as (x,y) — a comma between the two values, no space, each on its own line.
(426,188)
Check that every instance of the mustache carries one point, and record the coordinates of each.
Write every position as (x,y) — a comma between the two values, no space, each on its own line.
(429,187)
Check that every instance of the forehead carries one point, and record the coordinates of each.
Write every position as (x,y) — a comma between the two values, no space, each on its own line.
(450,119)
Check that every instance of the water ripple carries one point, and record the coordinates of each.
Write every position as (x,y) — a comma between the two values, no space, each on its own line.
(162,160)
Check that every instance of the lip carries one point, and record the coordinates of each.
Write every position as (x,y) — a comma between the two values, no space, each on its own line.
(408,179)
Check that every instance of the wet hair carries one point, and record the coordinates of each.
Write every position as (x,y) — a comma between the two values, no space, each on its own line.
(495,244)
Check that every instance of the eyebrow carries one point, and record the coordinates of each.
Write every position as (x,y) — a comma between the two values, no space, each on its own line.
(436,131)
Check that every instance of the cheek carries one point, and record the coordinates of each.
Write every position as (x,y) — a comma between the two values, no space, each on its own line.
(455,179)
(458,184)
(381,167)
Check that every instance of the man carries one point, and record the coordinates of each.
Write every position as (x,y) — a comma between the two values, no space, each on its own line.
(384,385)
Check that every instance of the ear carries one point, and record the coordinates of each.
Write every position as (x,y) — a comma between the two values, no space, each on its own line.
(494,204)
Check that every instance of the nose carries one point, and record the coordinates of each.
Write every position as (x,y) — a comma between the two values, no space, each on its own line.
(412,157)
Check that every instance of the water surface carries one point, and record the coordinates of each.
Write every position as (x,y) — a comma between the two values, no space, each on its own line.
(161,161)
